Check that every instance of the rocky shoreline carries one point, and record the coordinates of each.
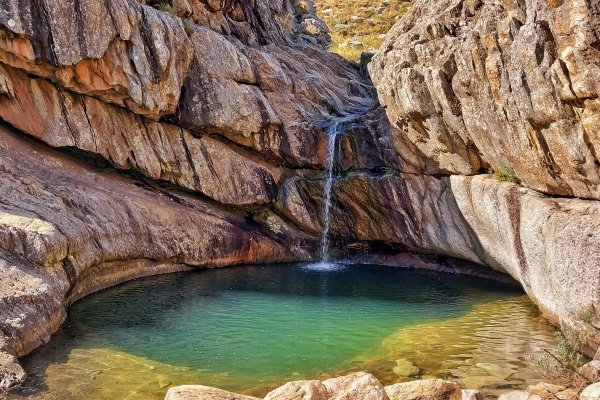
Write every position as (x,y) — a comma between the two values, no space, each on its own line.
(364,386)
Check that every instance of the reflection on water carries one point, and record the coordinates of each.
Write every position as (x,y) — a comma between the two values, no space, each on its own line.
(248,329)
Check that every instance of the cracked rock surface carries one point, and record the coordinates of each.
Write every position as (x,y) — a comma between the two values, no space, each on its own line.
(136,141)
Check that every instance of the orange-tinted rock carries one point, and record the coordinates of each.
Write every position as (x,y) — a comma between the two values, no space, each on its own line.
(129,142)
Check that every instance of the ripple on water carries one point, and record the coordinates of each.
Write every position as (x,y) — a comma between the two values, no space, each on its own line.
(248,329)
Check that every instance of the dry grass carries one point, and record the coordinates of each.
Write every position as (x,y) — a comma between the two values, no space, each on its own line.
(358,25)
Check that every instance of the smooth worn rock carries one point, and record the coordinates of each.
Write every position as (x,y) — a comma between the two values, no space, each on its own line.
(427,389)
(592,392)
(591,371)
(357,386)
(551,391)
(197,392)
(519,395)
(470,394)
(405,368)
(511,85)
(300,390)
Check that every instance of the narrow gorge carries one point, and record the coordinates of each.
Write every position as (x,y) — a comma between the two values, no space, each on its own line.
(139,138)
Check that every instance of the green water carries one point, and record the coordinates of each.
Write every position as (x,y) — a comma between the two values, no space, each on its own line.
(248,327)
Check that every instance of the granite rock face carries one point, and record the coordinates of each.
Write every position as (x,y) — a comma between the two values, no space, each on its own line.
(68,229)
(511,85)
(147,137)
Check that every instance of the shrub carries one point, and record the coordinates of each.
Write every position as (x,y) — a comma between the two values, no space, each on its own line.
(506,174)
(166,7)
(562,363)
(388,172)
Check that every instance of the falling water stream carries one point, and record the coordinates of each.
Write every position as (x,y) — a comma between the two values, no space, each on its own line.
(336,126)
(332,134)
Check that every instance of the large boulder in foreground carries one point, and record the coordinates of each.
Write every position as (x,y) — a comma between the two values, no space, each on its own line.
(199,392)
(507,84)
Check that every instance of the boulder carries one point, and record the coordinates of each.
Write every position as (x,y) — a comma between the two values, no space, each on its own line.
(197,392)
(470,394)
(357,386)
(551,391)
(300,390)
(426,389)
(591,371)
(11,373)
(519,395)
(405,368)
(592,392)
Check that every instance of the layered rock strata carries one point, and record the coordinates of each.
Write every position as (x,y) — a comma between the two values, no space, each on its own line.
(145,140)
(507,85)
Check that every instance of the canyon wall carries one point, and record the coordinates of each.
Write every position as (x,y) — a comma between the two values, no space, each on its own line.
(140,139)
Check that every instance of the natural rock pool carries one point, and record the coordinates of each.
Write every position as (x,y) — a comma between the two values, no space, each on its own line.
(250,328)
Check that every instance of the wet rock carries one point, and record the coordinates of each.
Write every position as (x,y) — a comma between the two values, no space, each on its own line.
(427,389)
(197,392)
(479,219)
(405,368)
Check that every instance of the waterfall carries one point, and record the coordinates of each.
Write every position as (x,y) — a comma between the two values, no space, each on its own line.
(332,134)
(336,126)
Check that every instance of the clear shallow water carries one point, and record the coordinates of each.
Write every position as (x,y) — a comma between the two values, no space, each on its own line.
(250,328)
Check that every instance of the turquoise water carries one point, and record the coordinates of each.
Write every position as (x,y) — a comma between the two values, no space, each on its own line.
(247,327)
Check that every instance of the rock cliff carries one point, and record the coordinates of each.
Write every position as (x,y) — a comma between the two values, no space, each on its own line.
(147,138)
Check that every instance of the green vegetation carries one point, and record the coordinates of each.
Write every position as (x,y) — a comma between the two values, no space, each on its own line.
(507,174)
(359,25)
(188,27)
(350,174)
(389,172)
(166,7)
(562,363)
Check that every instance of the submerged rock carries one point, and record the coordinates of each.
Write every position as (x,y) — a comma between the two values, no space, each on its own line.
(405,368)
(197,138)
(427,389)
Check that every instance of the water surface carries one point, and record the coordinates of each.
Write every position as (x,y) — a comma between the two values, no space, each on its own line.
(249,328)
